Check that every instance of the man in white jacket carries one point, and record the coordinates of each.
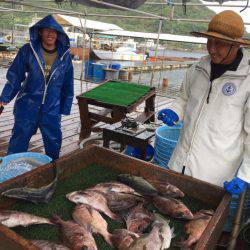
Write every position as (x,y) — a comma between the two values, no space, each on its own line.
(214,104)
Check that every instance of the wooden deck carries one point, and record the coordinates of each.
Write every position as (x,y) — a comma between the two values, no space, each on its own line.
(70,124)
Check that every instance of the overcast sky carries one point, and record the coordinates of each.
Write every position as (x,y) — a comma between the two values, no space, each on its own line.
(245,14)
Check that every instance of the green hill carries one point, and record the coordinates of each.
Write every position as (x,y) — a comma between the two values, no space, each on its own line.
(130,24)
(135,24)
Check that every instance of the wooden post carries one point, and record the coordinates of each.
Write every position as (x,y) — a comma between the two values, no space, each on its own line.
(236,222)
(83,52)
(156,50)
(12,28)
(85,119)
(164,82)
(130,76)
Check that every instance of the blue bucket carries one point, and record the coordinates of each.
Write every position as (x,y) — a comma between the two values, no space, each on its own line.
(116,66)
(99,72)
(165,141)
(136,152)
(13,165)
(88,70)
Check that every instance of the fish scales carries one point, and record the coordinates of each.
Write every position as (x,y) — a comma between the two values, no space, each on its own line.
(118,187)
(196,227)
(74,236)
(167,189)
(95,199)
(85,215)
(150,241)
(11,218)
(139,184)
(172,207)
(122,238)
(122,201)
(138,219)
(47,245)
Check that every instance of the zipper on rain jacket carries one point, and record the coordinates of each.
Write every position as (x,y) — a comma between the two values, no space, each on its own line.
(40,65)
(202,107)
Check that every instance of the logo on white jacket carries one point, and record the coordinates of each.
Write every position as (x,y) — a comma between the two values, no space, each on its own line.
(229,89)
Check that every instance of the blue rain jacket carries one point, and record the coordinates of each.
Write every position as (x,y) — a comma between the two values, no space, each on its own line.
(25,77)
(40,103)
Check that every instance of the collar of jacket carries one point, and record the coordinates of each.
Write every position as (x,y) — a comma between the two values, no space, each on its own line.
(242,71)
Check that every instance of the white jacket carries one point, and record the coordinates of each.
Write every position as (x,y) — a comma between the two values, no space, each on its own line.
(215,138)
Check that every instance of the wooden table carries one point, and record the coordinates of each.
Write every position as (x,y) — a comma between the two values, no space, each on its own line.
(118,112)
(112,133)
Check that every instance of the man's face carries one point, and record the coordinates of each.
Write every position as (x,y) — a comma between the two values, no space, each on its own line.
(218,51)
(49,36)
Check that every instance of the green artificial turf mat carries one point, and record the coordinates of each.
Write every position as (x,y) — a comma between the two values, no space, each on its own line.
(118,93)
(61,206)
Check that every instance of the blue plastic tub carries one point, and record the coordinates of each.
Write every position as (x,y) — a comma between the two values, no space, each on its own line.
(116,66)
(165,141)
(88,70)
(136,152)
(13,165)
(99,72)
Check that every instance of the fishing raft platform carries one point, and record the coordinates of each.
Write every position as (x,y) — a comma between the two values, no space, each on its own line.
(86,167)
(157,67)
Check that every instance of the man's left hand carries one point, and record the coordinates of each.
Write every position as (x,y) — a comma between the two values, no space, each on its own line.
(235,186)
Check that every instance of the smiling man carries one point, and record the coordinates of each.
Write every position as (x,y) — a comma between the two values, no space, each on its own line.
(214,145)
(48,37)
(214,105)
(41,77)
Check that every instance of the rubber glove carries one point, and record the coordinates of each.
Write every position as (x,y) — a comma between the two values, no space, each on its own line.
(168,116)
(235,186)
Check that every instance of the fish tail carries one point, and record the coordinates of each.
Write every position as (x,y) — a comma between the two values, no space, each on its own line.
(184,245)
(108,238)
(56,219)
(116,217)
(113,216)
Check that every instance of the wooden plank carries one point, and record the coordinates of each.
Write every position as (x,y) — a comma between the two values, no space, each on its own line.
(215,226)
(9,240)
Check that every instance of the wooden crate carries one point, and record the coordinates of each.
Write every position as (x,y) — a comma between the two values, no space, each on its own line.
(212,195)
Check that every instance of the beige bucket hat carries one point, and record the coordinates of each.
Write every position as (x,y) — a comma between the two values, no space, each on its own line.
(226,25)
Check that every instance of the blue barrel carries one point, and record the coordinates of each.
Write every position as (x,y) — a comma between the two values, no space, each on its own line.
(99,72)
(116,66)
(14,164)
(165,141)
(88,70)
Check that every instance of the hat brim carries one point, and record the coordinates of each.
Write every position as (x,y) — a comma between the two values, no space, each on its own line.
(209,34)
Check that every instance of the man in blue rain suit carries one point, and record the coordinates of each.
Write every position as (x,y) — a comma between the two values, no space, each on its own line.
(42,78)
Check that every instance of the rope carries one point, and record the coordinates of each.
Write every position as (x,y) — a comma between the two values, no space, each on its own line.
(245,6)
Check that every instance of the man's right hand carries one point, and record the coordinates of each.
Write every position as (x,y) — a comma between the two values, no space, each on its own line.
(2,104)
(168,116)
